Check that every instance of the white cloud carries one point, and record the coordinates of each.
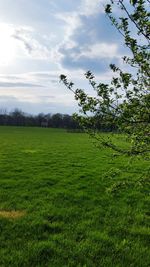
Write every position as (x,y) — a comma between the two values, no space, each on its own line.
(89,7)
(32,47)
(72,22)
(100,50)
(84,40)
(21,42)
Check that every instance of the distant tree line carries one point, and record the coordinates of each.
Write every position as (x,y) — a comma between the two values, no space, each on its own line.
(19,118)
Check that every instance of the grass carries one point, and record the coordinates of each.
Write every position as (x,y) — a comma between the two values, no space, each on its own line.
(64,203)
(13,214)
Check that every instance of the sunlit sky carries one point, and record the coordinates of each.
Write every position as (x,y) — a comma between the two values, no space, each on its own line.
(40,39)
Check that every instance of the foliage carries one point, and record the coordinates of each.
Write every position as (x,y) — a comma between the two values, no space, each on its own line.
(125,102)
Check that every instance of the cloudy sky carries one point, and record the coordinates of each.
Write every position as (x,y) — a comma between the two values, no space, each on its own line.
(41,39)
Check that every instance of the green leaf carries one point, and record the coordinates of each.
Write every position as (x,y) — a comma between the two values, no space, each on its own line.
(133,2)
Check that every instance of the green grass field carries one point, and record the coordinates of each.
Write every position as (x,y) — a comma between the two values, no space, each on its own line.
(65,203)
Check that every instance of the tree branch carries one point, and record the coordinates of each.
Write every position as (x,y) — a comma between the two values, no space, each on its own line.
(131,18)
